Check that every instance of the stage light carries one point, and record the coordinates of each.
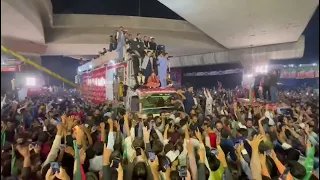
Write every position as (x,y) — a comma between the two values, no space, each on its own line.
(112,62)
(249,75)
(90,66)
(288,93)
(30,81)
(314,64)
(79,69)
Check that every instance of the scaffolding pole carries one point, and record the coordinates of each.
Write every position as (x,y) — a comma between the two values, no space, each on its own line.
(37,66)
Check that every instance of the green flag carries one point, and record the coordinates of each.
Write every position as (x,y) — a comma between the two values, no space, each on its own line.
(3,138)
(308,163)
(77,158)
(250,95)
(14,169)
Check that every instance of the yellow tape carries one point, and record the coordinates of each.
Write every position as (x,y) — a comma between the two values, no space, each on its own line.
(37,66)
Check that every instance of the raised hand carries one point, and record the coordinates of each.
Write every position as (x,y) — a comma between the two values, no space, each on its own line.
(24,151)
(62,174)
(154,164)
(117,125)
(190,148)
(50,175)
(198,134)
(202,155)
(102,125)
(106,155)
(82,154)
(256,141)
(146,135)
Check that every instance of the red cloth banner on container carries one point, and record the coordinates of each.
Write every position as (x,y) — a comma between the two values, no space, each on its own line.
(94,89)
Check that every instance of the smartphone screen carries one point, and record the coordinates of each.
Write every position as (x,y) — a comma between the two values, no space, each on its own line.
(167,164)
(268,152)
(214,151)
(40,121)
(183,171)
(236,145)
(115,162)
(152,156)
(55,167)
(62,146)
(152,124)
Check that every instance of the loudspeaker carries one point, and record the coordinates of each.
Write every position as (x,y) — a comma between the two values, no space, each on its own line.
(161,48)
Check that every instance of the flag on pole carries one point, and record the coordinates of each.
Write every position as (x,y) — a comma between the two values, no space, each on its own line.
(250,95)
(14,169)
(3,138)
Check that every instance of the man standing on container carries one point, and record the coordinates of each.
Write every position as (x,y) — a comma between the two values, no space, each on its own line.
(162,69)
(274,77)
(121,42)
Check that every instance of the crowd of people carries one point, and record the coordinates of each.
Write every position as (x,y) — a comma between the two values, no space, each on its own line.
(122,40)
(214,138)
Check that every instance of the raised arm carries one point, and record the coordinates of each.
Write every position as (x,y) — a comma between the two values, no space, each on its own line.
(261,129)
(208,94)
(280,166)
(255,159)
(205,93)
(126,124)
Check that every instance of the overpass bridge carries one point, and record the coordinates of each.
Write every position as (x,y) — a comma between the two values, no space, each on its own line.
(215,31)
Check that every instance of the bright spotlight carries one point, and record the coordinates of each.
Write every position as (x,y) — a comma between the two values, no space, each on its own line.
(249,75)
(112,62)
(90,66)
(30,81)
(79,69)
(314,64)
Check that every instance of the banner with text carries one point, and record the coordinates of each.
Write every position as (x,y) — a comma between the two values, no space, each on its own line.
(214,73)
(301,72)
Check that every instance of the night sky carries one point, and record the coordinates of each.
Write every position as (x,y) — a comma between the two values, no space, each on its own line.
(148,8)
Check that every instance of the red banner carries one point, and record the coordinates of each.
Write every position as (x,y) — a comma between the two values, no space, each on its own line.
(10,68)
(36,91)
(94,89)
